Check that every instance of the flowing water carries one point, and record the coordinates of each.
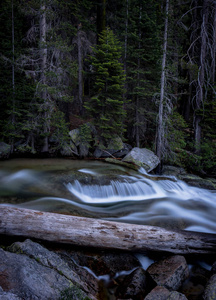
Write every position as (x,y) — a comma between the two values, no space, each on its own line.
(102,190)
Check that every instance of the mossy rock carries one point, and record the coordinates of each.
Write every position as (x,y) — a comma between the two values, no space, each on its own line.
(123,164)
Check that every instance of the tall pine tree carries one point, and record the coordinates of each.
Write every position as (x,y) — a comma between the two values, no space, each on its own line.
(106,104)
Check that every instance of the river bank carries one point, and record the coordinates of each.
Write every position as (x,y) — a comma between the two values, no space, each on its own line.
(33,269)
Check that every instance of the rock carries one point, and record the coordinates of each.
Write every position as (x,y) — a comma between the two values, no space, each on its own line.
(173,171)
(80,138)
(28,279)
(143,158)
(4,150)
(213,269)
(114,148)
(121,163)
(176,296)
(68,150)
(123,152)
(170,272)
(159,293)
(197,181)
(194,286)
(58,274)
(210,290)
(190,179)
(104,262)
(75,136)
(115,144)
(135,285)
(7,295)
(83,149)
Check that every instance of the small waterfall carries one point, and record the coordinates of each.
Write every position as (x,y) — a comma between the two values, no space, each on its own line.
(116,191)
(107,191)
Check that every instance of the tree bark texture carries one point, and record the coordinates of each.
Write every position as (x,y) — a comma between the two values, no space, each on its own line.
(43,57)
(13,74)
(201,77)
(214,45)
(80,67)
(160,130)
(97,233)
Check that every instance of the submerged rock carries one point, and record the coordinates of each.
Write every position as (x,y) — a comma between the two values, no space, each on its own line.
(143,158)
(104,263)
(191,179)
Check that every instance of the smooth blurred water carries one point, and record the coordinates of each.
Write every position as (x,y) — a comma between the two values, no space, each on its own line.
(102,190)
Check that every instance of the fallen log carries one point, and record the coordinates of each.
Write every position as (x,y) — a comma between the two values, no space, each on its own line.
(98,233)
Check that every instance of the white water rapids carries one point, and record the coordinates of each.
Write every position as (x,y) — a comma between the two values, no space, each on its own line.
(126,196)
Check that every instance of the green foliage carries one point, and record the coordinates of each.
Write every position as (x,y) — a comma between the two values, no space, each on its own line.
(73,293)
(136,24)
(85,133)
(176,131)
(59,129)
(106,103)
(175,138)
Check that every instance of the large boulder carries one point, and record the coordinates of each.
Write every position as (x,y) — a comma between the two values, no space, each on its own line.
(143,158)
(4,150)
(31,271)
(28,279)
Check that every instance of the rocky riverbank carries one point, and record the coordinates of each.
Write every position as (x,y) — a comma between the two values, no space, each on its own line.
(30,270)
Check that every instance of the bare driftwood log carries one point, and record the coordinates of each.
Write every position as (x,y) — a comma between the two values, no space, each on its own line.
(90,232)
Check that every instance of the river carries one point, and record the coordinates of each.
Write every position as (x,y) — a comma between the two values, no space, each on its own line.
(103,190)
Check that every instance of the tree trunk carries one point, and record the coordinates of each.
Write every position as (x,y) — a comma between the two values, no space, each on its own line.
(138,85)
(201,78)
(108,235)
(80,68)
(160,129)
(13,75)
(101,16)
(214,45)
(126,50)
(43,57)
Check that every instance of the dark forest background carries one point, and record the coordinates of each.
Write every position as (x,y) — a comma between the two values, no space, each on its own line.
(140,70)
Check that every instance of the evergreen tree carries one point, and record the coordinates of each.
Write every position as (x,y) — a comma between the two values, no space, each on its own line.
(142,66)
(106,104)
(137,24)
(15,90)
(49,54)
